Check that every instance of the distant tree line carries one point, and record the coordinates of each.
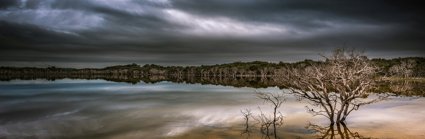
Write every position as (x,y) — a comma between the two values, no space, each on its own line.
(398,67)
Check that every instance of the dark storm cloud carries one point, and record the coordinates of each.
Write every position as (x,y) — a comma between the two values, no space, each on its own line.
(95,33)
(377,11)
(8,3)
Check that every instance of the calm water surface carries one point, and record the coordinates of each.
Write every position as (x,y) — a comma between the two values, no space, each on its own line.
(102,109)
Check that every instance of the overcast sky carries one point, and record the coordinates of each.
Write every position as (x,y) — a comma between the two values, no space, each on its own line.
(98,33)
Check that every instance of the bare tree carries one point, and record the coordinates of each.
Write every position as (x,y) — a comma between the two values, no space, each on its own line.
(337,86)
(404,69)
(276,100)
(265,122)
(268,123)
(247,114)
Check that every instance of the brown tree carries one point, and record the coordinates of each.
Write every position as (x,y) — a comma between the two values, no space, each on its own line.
(336,86)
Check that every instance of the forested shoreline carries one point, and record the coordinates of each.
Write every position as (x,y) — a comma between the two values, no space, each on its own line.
(398,67)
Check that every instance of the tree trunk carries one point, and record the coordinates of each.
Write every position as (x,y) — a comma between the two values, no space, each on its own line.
(274,122)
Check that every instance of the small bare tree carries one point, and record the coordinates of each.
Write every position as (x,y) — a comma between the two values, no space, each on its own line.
(247,114)
(265,122)
(276,100)
(268,123)
(337,86)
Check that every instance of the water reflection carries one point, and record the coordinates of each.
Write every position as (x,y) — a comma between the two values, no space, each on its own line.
(101,109)
(338,131)
(407,87)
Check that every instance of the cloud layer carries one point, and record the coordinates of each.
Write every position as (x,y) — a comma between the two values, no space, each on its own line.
(97,33)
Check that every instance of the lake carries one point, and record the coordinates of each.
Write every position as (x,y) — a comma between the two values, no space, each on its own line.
(78,108)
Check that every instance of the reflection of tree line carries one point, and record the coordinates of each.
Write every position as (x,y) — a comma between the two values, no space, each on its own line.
(405,87)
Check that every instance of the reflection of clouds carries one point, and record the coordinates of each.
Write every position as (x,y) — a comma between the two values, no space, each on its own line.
(387,118)
(65,113)
(157,110)
(48,128)
(178,130)
(44,81)
(216,115)
(397,108)
(222,116)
